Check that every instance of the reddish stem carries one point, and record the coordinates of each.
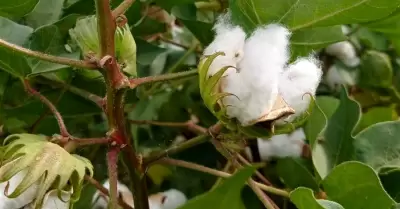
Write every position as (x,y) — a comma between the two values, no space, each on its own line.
(112,161)
(63,129)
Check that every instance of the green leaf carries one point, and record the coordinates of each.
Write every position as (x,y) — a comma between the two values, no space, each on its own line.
(391,183)
(338,140)
(376,70)
(389,25)
(375,115)
(307,40)
(355,185)
(299,14)
(48,40)
(169,4)
(287,166)
(14,63)
(147,52)
(371,39)
(378,146)
(304,198)
(226,195)
(13,32)
(16,8)
(46,12)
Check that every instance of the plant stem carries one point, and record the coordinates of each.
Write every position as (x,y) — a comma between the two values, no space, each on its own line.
(63,129)
(213,5)
(189,125)
(115,79)
(258,174)
(135,82)
(112,162)
(105,191)
(176,149)
(121,9)
(222,174)
(47,57)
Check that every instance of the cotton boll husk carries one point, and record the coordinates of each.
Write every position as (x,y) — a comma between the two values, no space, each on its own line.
(284,145)
(52,201)
(265,55)
(300,78)
(100,202)
(345,52)
(174,199)
(229,40)
(25,198)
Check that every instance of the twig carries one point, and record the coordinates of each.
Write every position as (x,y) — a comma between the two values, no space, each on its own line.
(104,190)
(63,129)
(121,9)
(189,125)
(222,174)
(135,82)
(175,149)
(47,57)
(258,174)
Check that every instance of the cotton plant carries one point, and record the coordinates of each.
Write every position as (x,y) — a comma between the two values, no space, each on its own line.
(249,79)
(170,199)
(55,201)
(337,76)
(344,51)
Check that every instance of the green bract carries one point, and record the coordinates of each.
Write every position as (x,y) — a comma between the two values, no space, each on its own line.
(45,163)
(211,94)
(86,35)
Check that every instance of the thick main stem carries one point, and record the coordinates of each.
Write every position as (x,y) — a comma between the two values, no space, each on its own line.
(115,103)
(112,161)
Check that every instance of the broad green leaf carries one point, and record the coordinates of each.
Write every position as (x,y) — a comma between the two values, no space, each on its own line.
(355,185)
(46,12)
(14,63)
(371,39)
(379,145)
(338,140)
(304,198)
(13,32)
(375,115)
(299,14)
(48,40)
(66,23)
(287,166)
(226,195)
(389,25)
(16,8)
(307,40)
(376,70)
(169,4)
(147,52)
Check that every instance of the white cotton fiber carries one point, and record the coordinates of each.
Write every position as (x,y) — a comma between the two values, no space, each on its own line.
(256,85)
(296,84)
(173,199)
(100,202)
(25,198)
(228,39)
(336,76)
(284,145)
(345,52)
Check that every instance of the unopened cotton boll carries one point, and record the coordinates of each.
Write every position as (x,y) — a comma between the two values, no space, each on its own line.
(284,145)
(23,199)
(298,83)
(100,202)
(345,52)
(255,86)
(230,40)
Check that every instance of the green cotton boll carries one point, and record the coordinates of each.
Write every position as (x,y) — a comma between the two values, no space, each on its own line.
(86,36)
(126,50)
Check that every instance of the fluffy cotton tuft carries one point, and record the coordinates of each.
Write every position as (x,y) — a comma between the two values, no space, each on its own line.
(336,76)
(174,199)
(25,198)
(298,83)
(284,145)
(345,52)
(255,86)
(228,39)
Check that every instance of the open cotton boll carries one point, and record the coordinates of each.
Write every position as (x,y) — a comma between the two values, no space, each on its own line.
(100,202)
(25,198)
(256,85)
(173,199)
(300,78)
(345,52)
(229,40)
(336,76)
(284,145)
